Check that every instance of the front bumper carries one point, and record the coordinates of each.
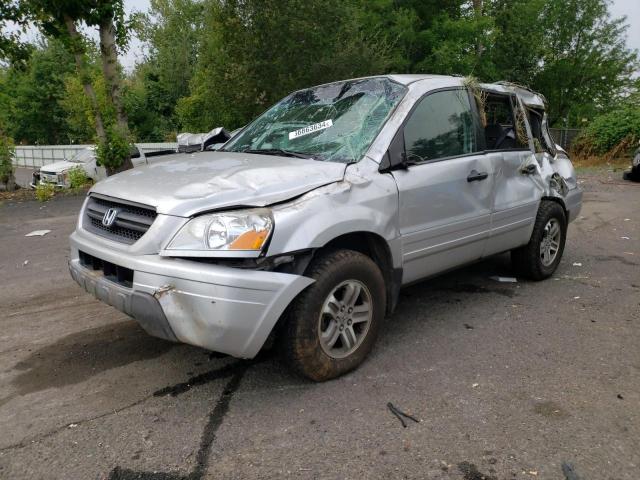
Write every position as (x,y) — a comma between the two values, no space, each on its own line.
(224,309)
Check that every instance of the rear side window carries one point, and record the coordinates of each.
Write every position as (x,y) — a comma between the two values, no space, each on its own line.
(502,130)
(440,126)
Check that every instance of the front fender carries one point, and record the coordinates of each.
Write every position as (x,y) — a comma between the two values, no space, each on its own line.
(324,214)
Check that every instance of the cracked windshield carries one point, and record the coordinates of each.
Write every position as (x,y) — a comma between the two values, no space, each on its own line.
(335,122)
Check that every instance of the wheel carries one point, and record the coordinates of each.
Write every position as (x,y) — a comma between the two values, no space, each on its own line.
(332,325)
(541,256)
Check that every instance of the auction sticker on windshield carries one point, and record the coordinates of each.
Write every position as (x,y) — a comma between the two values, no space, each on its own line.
(310,129)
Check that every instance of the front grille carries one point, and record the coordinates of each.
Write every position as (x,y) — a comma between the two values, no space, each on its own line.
(120,275)
(131,223)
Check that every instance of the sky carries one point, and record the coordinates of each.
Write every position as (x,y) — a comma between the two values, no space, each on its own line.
(619,8)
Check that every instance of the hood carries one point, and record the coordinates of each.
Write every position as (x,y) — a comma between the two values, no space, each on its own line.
(59,167)
(184,184)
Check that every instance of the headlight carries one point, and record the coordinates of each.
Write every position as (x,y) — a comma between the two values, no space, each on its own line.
(241,231)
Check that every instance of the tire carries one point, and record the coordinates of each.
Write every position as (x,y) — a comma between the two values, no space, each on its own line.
(529,261)
(314,319)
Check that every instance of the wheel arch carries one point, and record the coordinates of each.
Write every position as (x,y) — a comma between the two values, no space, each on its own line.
(560,202)
(377,248)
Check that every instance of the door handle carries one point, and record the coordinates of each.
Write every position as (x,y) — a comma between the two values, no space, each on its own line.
(476,176)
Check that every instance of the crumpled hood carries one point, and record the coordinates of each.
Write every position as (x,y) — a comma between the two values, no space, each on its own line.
(186,184)
(59,167)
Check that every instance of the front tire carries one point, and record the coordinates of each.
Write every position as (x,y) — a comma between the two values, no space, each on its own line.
(540,258)
(332,325)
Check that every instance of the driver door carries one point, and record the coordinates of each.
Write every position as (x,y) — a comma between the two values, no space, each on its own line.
(446,192)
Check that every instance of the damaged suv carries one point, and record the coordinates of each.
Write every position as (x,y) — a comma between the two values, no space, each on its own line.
(305,225)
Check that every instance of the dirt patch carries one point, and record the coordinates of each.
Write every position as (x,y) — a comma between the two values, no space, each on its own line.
(550,410)
(79,356)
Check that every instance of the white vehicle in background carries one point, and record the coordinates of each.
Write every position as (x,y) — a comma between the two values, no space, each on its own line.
(57,173)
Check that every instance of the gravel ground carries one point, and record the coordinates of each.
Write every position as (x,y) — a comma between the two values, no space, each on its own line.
(508,380)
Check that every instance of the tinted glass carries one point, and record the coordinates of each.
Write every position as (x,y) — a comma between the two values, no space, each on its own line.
(440,126)
(335,122)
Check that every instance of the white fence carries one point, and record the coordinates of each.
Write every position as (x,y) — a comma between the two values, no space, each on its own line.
(34,156)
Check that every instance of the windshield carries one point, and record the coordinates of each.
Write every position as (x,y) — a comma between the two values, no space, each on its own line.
(83,156)
(335,122)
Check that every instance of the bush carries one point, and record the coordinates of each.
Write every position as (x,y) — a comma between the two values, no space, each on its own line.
(6,165)
(114,152)
(45,191)
(78,178)
(613,133)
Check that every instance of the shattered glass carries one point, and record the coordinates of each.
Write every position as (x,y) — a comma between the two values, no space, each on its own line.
(335,122)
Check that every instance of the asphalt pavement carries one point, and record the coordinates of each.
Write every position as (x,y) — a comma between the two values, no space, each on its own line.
(507,380)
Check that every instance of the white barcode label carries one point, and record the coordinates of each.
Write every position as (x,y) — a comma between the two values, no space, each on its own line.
(310,129)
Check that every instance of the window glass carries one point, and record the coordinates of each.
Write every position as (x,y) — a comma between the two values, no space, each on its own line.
(336,122)
(440,126)
(501,131)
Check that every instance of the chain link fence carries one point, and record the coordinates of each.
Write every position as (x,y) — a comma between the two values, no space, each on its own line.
(565,136)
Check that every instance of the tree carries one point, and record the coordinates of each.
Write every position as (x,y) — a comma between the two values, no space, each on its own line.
(254,52)
(6,161)
(585,65)
(32,92)
(60,18)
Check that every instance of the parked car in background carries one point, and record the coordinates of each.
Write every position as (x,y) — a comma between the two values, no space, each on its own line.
(634,172)
(57,173)
(306,224)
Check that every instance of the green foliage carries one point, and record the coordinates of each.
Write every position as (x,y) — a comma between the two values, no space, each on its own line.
(45,192)
(115,151)
(620,127)
(244,66)
(6,156)
(31,96)
(78,178)
(585,65)
(220,63)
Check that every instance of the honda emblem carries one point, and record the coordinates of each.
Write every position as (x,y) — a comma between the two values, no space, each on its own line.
(109,217)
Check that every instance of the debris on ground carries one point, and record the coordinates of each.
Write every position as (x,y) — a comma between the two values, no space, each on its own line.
(505,279)
(400,414)
(620,397)
(475,385)
(625,238)
(38,233)
(569,471)
(468,327)
(577,264)
(25,263)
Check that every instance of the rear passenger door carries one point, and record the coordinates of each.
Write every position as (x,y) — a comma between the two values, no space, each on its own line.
(517,195)
(446,191)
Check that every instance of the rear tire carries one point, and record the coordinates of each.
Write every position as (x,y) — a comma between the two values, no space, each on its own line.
(332,325)
(540,258)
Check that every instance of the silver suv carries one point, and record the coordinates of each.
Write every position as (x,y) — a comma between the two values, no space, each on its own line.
(307,223)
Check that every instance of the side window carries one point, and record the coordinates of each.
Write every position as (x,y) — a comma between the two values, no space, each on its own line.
(441,126)
(500,125)
(535,120)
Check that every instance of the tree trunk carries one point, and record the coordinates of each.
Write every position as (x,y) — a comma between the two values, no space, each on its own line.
(83,74)
(109,55)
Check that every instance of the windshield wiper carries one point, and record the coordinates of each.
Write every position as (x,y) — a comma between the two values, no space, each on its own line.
(281,152)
